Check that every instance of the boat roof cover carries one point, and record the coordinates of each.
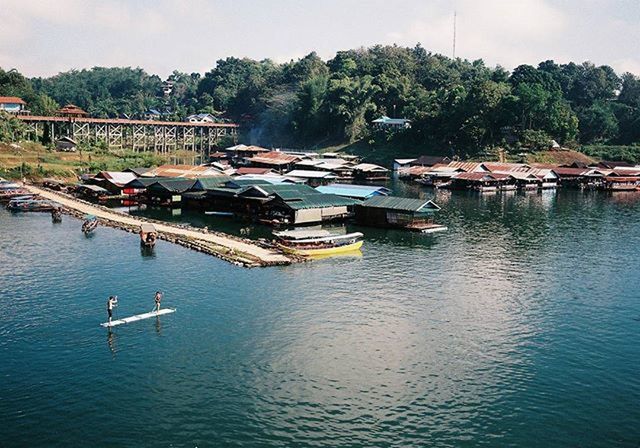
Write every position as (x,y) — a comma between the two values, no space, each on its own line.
(147,227)
(301,234)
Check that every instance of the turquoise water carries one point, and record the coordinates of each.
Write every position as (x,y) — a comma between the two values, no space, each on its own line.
(518,327)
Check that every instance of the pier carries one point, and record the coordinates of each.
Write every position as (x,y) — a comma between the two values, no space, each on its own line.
(139,135)
(239,251)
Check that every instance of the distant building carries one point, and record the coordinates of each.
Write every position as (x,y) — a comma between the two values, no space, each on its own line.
(72,111)
(152,114)
(66,144)
(385,122)
(13,105)
(202,118)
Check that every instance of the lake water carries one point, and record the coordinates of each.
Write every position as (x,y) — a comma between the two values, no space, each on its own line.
(520,326)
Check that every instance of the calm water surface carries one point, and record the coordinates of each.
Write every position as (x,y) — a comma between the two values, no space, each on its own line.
(518,327)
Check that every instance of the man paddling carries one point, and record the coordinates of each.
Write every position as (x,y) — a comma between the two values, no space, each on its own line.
(111,302)
(157,299)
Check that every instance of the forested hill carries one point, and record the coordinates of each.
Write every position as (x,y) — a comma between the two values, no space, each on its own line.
(455,105)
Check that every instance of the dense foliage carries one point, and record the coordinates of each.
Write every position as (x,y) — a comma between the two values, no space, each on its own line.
(456,106)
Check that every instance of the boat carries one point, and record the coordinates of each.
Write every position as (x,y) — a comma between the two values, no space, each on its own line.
(137,317)
(214,213)
(317,242)
(89,225)
(56,214)
(31,205)
(148,235)
(11,190)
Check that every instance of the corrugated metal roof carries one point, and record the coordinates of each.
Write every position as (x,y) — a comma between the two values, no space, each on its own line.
(369,167)
(116,177)
(307,174)
(353,191)
(466,166)
(206,183)
(401,204)
(319,200)
(172,185)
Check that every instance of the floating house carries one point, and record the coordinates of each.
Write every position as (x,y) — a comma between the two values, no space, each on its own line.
(482,182)
(275,160)
(240,152)
(359,192)
(185,171)
(369,171)
(243,170)
(312,178)
(113,181)
(13,105)
(401,165)
(168,191)
(616,182)
(296,204)
(92,192)
(392,211)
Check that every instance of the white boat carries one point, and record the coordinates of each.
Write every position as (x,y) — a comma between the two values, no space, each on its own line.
(137,317)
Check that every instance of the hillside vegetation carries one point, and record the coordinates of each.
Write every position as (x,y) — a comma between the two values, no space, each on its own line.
(456,106)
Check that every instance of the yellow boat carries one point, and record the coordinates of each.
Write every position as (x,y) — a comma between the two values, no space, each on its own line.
(311,243)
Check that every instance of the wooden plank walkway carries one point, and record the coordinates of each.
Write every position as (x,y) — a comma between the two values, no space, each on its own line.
(231,246)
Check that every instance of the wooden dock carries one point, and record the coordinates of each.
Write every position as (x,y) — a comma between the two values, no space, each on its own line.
(242,252)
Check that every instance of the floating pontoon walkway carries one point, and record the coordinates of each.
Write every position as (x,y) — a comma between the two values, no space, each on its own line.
(137,317)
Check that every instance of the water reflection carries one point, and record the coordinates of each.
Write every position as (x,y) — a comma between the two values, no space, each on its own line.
(111,343)
(147,252)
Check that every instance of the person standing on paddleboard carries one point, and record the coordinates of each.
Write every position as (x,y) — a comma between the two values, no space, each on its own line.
(111,302)
(157,299)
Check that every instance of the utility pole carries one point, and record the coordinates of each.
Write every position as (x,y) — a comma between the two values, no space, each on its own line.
(455,14)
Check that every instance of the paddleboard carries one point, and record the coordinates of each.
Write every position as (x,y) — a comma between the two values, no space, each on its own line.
(138,317)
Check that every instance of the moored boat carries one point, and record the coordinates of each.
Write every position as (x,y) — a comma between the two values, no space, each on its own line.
(148,235)
(317,242)
(31,205)
(89,225)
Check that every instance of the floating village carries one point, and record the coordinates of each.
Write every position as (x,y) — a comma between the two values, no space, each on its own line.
(294,192)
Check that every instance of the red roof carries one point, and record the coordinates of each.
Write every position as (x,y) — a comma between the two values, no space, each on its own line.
(568,172)
(11,100)
(72,109)
(274,158)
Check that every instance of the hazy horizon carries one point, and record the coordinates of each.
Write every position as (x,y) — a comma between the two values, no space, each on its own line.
(41,38)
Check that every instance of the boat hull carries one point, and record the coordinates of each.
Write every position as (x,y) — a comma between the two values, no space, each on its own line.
(322,251)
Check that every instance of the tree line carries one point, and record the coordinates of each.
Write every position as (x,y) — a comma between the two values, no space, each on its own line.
(455,106)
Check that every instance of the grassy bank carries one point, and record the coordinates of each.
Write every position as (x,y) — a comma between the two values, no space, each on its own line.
(34,161)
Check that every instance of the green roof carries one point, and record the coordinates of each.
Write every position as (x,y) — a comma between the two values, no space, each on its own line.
(207,183)
(248,182)
(175,185)
(320,200)
(400,204)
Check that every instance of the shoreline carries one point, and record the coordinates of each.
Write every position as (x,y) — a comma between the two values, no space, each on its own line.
(238,251)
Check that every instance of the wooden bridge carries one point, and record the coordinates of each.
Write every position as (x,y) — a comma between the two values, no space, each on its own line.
(139,135)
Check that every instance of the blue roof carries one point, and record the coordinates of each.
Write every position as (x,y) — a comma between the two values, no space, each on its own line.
(354,191)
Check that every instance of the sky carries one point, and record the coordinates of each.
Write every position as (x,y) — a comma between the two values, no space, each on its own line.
(45,37)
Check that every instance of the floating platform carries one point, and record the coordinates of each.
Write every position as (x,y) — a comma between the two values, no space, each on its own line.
(137,317)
